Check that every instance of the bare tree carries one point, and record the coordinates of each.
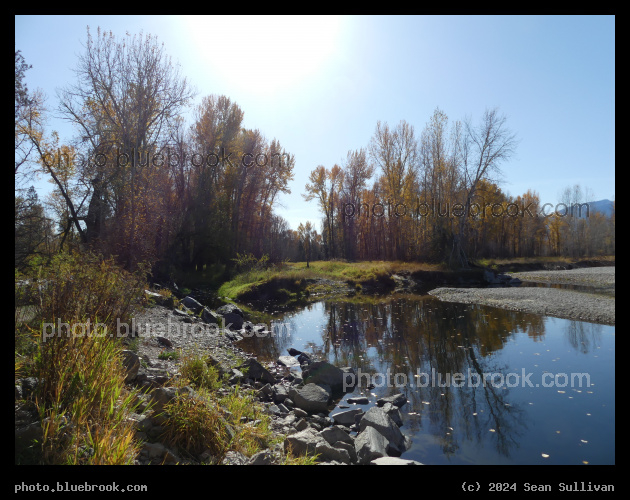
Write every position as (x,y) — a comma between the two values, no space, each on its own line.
(484,148)
(127,95)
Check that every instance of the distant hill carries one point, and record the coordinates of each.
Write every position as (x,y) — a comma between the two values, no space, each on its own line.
(604,207)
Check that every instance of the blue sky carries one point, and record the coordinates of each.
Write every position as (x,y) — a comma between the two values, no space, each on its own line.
(320,84)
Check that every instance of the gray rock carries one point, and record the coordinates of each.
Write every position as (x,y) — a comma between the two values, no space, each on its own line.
(182,314)
(234,458)
(143,424)
(323,372)
(298,412)
(349,448)
(131,363)
(230,309)
(378,419)
(335,434)
(232,321)
(154,450)
(393,461)
(210,317)
(310,442)
(288,361)
(303,442)
(233,336)
(164,395)
(398,400)
(254,370)
(301,424)
(313,398)
(347,417)
(192,304)
(264,457)
(29,386)
(266,390)
(370,444)
(394,413)
(280,393)
(235,376)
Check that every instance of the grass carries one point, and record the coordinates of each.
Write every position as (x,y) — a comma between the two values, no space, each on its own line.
(172,355)
(82,401)
(517,262)
(295,277)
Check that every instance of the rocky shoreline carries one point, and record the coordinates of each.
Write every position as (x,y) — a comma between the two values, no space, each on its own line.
(297,402)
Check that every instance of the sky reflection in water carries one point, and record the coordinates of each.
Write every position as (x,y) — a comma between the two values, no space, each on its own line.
(424,344)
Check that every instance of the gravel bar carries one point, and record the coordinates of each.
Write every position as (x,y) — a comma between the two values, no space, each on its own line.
(555,302)
(599,278)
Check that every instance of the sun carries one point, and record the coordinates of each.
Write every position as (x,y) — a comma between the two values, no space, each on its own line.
(264,54)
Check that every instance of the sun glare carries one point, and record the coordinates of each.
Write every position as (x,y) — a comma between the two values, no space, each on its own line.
(264,54)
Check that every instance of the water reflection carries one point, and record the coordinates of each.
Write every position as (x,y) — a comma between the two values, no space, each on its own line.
(462,367)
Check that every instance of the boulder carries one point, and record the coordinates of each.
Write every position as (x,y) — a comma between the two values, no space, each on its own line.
(349,448)
(254,370)
(131,363)
(230,309)
(280,393)
(313,398)
(210,317)
(310,442)
(378,419)
(369,445)
(336,433)
(323,372)
(192,304)
(394,413)
(232,321)
(347,417)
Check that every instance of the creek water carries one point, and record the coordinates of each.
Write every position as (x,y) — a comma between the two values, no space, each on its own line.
(484,385)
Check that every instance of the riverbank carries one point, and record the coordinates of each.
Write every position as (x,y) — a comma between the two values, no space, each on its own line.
(597,279)
(594,303)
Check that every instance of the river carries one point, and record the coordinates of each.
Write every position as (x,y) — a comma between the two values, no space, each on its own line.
(485,385)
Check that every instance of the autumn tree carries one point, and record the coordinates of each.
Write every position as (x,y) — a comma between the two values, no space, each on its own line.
(305,232)
(356,173)
(395,152)
(127,95)
(324,186)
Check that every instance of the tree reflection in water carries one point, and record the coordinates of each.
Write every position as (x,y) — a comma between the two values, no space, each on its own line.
(421,343)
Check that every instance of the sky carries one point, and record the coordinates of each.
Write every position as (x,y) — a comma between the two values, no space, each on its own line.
(320,84)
